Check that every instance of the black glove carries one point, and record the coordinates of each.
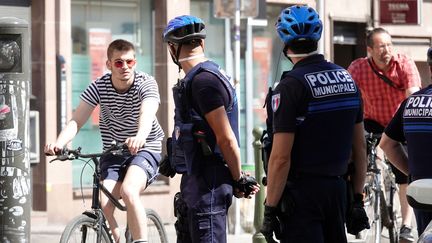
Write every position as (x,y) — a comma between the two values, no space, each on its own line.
(165,168)
(245,184)
(270,224)
(357,219)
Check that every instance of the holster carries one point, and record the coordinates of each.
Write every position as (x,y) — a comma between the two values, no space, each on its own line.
(181,225)
(286,205)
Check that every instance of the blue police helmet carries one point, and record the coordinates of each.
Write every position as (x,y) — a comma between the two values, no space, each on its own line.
(429,56)
(184,28)
(297,23)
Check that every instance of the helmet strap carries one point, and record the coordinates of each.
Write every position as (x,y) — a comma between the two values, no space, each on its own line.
(302,54)
(191,57)
(175,56)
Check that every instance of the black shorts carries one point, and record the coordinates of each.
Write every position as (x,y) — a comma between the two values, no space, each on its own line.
(400,177)
(114,167)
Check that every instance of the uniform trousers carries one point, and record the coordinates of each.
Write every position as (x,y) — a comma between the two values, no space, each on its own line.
(319,210)
(208,195)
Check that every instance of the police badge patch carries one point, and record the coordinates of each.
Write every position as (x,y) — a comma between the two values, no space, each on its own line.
(275,102)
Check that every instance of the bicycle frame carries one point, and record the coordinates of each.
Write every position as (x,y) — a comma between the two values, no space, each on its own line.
(375,172)
(380,183)
(97,187)
(94,219)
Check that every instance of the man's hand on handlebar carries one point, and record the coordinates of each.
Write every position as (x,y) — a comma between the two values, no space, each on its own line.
(52,149)
(134,144)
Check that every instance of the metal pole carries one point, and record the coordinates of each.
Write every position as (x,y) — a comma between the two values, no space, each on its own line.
(249,91)
(228,51)
(320,9)
(15,189)
(237,84)
(63,91)
(259,197)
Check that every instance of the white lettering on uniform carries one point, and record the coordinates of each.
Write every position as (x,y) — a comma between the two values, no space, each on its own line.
(418,106)
(340,76)
(330,82)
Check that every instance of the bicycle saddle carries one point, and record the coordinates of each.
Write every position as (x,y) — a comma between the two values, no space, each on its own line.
(419,194)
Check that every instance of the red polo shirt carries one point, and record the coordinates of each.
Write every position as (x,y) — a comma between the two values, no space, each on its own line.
(380,99)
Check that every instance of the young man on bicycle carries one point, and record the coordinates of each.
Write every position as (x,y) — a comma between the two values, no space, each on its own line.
(413,123)
(317,122)
(385,80)
(128,102)
(205,148)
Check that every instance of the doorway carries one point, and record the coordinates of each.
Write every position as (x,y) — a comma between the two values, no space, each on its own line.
(348,42)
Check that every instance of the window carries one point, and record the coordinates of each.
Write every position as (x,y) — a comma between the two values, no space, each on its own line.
(94,25)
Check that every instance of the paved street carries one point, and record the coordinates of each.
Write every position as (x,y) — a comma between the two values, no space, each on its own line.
(51,234)
(41,232)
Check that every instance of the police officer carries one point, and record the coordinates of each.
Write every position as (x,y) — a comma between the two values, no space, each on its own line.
(317,120)
(412,123)
(204,144)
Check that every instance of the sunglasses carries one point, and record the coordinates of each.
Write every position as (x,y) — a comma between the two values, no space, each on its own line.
(120,63)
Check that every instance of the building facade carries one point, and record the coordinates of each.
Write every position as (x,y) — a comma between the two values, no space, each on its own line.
(68,43)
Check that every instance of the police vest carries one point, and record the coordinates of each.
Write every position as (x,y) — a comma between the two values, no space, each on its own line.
(193,141)
(417,126)
(323,136)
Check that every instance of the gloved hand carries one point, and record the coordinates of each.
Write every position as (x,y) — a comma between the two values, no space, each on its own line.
(357,219)
(270,224)
(165,168)
(245,184)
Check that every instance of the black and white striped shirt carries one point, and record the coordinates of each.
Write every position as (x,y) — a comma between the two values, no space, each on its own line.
(119,112)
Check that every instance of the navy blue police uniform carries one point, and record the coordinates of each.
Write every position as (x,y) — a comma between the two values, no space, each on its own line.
(320,103)
(206,186)
(412,123)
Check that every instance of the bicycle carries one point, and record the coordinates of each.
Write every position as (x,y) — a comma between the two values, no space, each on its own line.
(91,225)
(381,212)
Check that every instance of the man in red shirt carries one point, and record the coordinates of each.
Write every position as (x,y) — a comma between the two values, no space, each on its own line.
(385,80)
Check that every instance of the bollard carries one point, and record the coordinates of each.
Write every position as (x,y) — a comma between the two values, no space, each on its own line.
(259,197)
(15,189)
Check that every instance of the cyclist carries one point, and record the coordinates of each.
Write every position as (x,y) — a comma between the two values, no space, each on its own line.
(385,80)
(205,138)
(128,102)
(317,120)
(412,123)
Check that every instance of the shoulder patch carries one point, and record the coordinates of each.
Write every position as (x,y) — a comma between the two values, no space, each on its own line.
(275,102)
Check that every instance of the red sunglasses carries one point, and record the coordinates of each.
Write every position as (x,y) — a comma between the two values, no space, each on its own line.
(119,63)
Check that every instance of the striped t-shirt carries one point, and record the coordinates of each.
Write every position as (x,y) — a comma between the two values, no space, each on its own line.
(119,112)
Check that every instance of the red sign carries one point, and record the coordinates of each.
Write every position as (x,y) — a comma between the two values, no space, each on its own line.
(399,11)
(262,49)
(99,40)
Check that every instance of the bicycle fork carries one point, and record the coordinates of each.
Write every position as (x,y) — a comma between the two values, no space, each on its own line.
(95,204)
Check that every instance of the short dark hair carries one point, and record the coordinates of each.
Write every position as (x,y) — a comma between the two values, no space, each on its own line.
(370,34)
(119,45)
(302,46)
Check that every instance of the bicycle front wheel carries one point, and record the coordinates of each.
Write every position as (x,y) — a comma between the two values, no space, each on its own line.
(374,213)
(156,230)
(84,229)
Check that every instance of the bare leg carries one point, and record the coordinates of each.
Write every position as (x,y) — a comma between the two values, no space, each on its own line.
(406,210)
(108,207)
(133,184)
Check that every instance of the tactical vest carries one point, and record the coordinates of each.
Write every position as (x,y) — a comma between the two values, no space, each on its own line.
(417,126)
(193,141)
(323,135)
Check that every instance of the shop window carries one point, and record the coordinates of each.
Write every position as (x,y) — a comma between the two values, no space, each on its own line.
(94,25)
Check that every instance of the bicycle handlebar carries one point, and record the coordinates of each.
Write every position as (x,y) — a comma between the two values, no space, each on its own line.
(71,154)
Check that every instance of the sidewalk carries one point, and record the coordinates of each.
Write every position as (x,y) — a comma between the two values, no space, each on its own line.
(41,232)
